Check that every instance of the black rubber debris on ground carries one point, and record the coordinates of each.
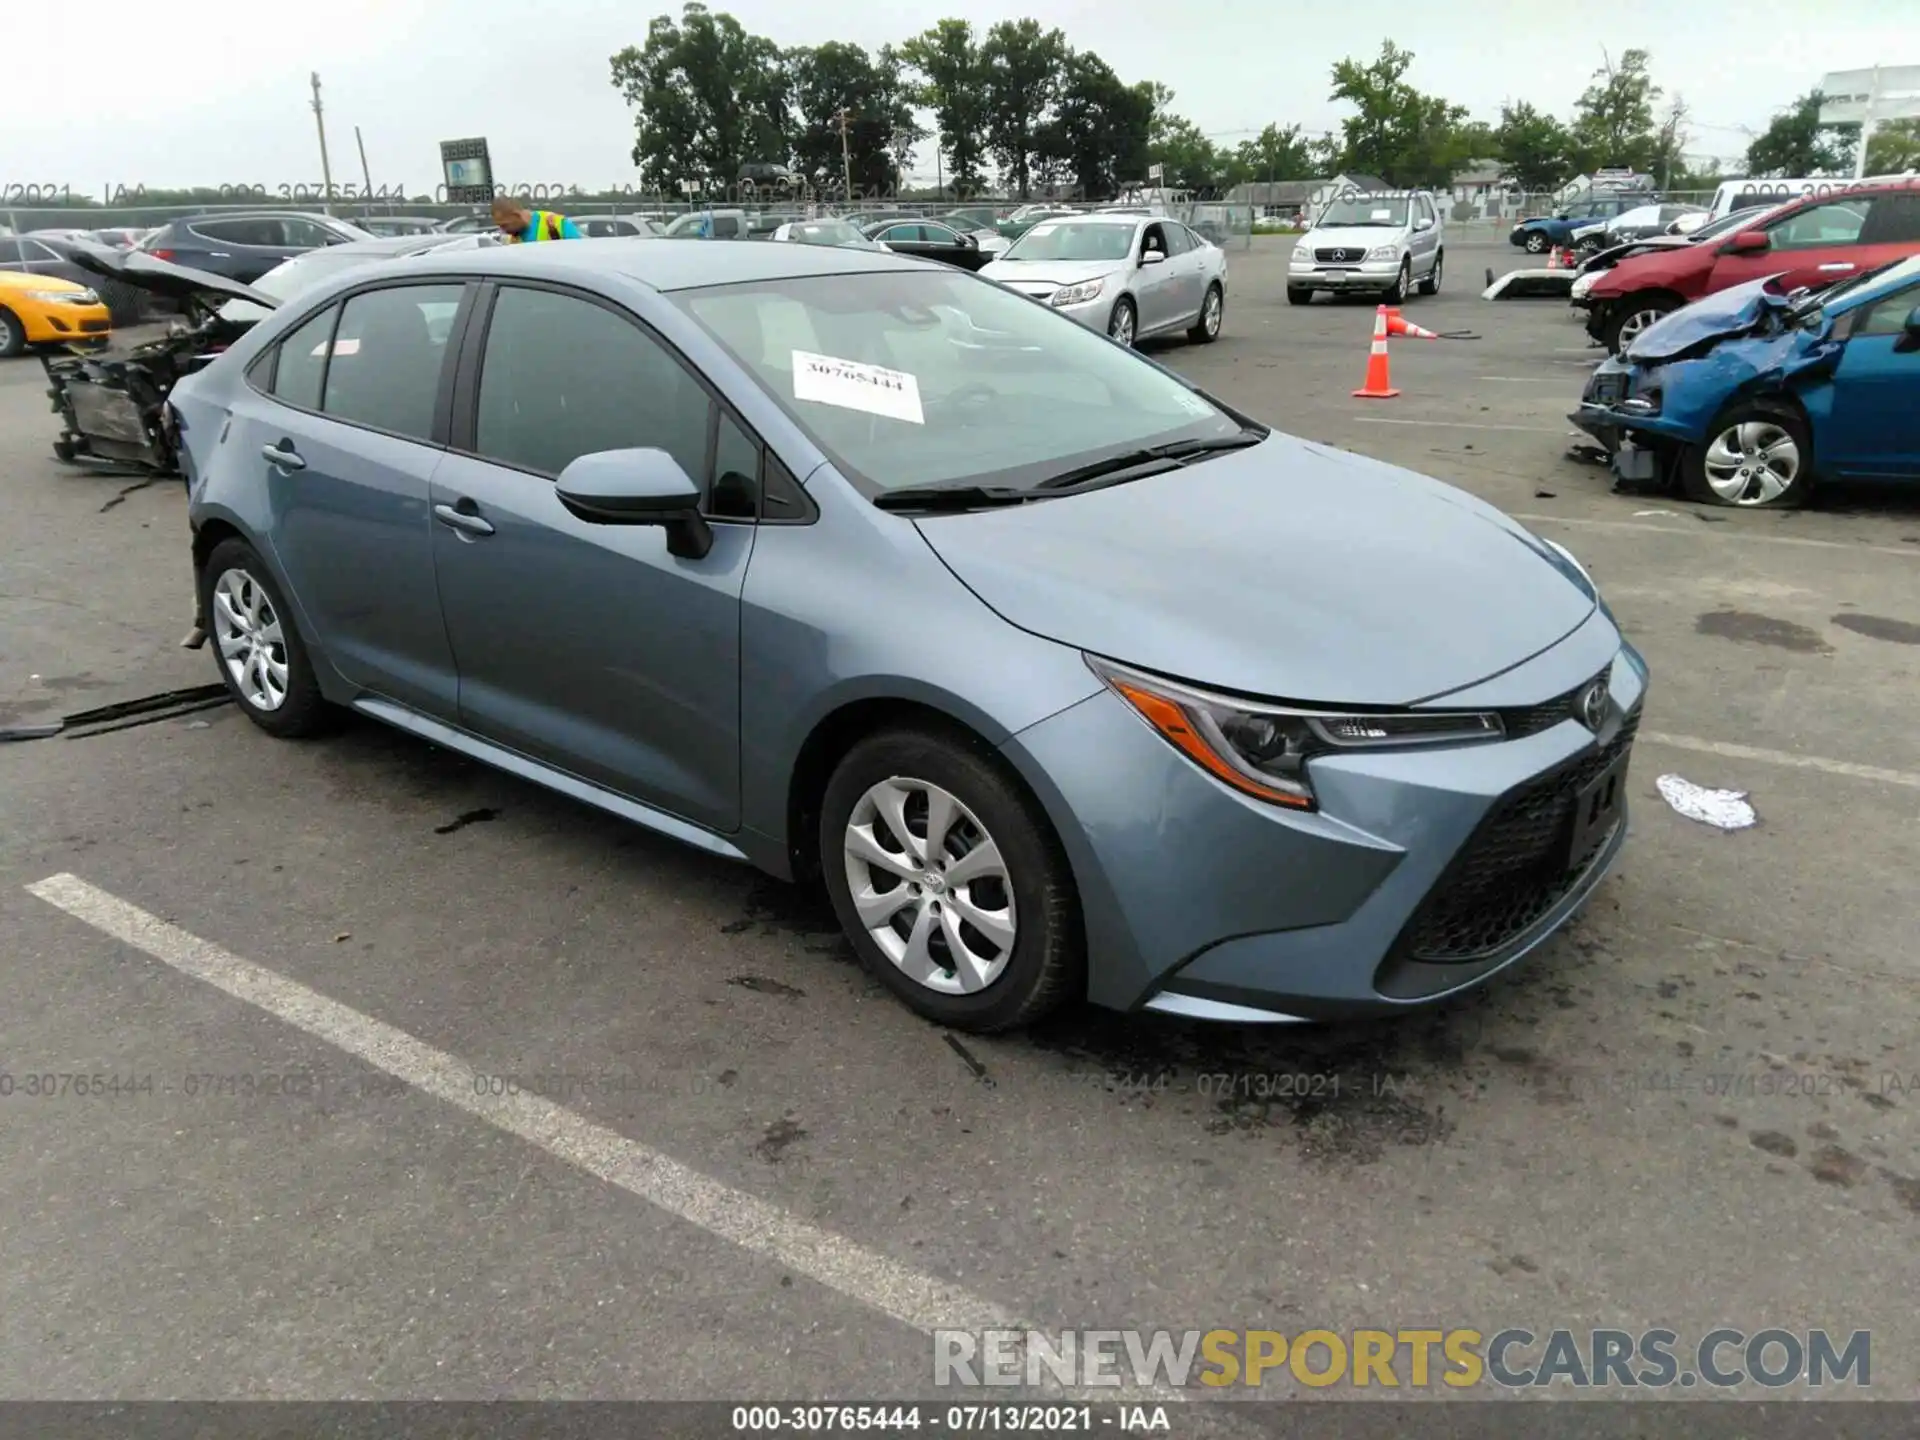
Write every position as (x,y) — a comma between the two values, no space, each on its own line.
(971,1061)
(466,818)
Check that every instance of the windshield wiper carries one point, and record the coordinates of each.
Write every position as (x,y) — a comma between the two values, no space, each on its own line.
(952,497)
(1175,453)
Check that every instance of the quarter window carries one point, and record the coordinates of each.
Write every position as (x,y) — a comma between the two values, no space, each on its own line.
(303,361)
(563,377)
(387,358)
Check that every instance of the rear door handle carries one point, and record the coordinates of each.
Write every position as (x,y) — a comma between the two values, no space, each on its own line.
(467,522)
(283,456)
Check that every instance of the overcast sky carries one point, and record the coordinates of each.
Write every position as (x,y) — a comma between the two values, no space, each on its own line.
(216,92)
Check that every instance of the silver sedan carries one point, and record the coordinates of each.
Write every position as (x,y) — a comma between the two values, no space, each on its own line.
(1132,276)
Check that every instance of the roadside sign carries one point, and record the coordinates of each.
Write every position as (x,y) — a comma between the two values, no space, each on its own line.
(468,170)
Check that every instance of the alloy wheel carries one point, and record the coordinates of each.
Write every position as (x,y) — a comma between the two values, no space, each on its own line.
(1536,243)
(930,886)
(1210,314)
(1120,327)
(253,646)
(1752,463)
(1637,322)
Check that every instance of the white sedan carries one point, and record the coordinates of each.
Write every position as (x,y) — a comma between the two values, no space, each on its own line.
(1132,276)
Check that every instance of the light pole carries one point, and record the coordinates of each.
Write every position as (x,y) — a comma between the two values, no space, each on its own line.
(320,123)
(846,154)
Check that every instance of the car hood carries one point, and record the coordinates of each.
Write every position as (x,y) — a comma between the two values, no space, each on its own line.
(1627,249)
(1739,310)
(1049,273)
(1288,570)
(26,280)
(1350,237)
(164,278)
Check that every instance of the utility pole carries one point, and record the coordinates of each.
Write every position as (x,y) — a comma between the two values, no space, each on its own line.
(320,123)
(939,180)
(846,154)
(365,174)
(1866,127)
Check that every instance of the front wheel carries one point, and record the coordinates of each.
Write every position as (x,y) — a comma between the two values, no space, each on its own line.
(1536,242)
(13,334)
(1431,285)
(1206,328)
(1758,456)
(1630,317)
(949,882)
(1299,296)
(1120,324)
(259,651)
(1402,284)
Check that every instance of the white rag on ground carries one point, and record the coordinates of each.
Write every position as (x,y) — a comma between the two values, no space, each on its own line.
(1723,809)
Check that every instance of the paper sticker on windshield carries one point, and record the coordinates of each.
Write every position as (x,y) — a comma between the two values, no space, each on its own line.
(1193,404)
(1383,215)
(854,386)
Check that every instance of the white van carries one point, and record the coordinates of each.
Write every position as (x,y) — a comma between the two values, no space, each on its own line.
(1740,194)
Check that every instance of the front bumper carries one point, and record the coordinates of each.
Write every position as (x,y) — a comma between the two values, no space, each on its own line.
(1375,276)
(52,324)
(1201,902)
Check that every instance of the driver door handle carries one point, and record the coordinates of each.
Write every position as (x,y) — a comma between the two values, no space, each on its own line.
(283,456)
(467,521)
(1838,266)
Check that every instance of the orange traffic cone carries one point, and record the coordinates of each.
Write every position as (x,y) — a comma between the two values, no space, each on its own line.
(1378,386)
(1397,326)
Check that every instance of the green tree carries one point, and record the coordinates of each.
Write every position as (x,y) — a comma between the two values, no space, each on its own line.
(1613,119)
(1532,148)
(1101,128)
(1187,158)
(947,60)
(827,79)
(1021,71)
(1796,143)
(1399,134)
(708,97)
(1894,147)
(1277,153)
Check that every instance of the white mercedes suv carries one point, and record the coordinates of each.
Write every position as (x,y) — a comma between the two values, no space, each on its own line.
(1376,243)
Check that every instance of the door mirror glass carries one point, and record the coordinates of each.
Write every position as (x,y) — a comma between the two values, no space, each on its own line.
(637,487)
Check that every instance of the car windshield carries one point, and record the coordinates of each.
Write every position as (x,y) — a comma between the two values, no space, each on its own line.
(913,379)
(1073,240)
(830,232)
(1364,210)
(1731,222)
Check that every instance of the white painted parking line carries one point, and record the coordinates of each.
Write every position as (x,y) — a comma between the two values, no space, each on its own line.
(1903,552)
(920,1300)
(1459,425)
(1733,751)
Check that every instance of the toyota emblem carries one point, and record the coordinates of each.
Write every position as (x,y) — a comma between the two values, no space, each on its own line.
(1592,705)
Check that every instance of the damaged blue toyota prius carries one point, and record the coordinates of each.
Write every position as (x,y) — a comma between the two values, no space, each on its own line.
(1751,396)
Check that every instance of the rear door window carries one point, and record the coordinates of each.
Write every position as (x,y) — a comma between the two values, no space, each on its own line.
(264,231)
(1894,220)
(387,357)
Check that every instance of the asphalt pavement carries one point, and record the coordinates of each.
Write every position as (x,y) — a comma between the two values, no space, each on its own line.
(455,1088)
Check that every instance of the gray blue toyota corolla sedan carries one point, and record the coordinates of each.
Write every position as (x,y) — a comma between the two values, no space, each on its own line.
(1065,678)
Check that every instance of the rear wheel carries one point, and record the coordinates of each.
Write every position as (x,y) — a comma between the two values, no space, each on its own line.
(949,881)
(1758,456)
(259,651)
(1206,329)
(13,334)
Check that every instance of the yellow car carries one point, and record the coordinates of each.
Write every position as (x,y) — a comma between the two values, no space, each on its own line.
(44,310)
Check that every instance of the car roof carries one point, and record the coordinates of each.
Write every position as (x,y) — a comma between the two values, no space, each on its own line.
(1113,217)
(660,265)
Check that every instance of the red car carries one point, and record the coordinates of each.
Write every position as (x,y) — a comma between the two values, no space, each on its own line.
(1817,242)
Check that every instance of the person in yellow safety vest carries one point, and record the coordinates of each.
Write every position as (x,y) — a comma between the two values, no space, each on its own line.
(522,224)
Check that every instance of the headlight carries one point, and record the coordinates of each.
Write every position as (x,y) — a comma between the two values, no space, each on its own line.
(64,297)
(1078,294)
(1384,252)
(1262,750)
(1583,284)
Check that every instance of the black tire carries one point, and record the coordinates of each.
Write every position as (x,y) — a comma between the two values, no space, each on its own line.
(1124,306)
(1430,283)
(13,334)
(1693,462)
(1628,310)
(1299,297)
(1200,334)
(304,711)
(1536,242)
(1046,964)
(1402,283)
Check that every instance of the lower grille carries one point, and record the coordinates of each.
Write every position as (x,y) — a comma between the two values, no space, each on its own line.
(1514,868)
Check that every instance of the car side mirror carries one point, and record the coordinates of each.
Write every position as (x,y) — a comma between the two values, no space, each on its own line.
(1423,223)
(1152,257)
(1910,333)
(1749,242)
(1563,215)
(637,487)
